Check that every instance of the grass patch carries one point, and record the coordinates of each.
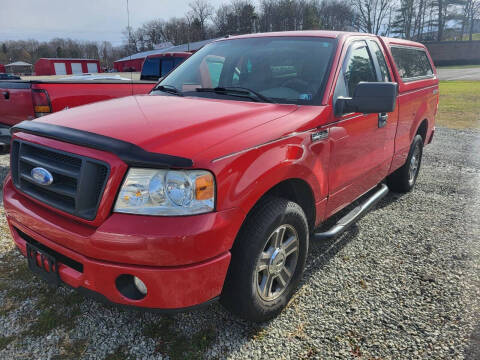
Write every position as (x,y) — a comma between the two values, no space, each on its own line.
(5,340)
(22,273)
(178,346)
(46,322)
(59,310)
(71,349)
(18,294)
(459,106)
(10,264)
(7,306)
(50,297)
(475,36)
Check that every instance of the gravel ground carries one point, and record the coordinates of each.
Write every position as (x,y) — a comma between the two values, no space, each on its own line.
(403,283)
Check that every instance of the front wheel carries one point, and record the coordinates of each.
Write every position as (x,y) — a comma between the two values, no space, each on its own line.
(403,179)
(268,259)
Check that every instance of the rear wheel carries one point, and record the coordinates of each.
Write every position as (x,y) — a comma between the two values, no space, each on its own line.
(268,260)
(403,179)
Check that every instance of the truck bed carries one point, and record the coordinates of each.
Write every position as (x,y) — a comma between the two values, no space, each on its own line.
(16,95)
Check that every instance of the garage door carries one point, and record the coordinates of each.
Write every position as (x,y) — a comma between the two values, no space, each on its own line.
(60,69)
(77,68)
(92,67)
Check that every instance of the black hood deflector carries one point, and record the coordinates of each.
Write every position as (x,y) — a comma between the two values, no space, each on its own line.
(130,153)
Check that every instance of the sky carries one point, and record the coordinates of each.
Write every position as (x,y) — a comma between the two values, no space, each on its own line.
(92,20)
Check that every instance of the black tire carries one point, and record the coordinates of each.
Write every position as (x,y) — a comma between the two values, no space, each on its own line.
(242,293)
(403,179)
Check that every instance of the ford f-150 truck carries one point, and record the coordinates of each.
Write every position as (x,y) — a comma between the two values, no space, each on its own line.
(213,185)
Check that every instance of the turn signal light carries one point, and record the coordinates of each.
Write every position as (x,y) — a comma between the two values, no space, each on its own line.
(204,187)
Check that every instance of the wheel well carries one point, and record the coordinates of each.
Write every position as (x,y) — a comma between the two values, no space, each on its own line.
(422,130)
(298,191)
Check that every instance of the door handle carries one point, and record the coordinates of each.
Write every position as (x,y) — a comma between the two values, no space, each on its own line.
(6,95)
(382,119)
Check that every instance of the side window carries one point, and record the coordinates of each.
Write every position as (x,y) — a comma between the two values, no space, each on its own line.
(411,62)
(377,52)
(358,66)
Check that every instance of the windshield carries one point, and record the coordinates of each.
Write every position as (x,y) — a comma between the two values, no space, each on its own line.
(282,69)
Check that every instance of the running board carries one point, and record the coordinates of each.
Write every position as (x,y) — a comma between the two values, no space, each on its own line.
(345,222)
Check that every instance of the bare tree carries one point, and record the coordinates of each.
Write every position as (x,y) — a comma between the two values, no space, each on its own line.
(153,31)
(471,13)
(371,14)
(336,15)
(200,12)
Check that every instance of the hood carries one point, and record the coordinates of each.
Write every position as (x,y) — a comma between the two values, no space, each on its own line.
(180,126)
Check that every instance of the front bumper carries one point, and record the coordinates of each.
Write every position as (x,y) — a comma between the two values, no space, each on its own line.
(170,284)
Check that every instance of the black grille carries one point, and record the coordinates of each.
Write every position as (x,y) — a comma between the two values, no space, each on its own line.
(78,181)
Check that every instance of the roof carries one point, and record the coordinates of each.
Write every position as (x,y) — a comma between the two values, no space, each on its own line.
(68,59)
(319,33)
(325,33)
(19,63)
(179,48)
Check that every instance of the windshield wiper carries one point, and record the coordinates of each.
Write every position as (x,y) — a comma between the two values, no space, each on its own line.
(237,91)
(169,89)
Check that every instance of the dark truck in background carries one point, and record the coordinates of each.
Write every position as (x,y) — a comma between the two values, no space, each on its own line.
(157,66)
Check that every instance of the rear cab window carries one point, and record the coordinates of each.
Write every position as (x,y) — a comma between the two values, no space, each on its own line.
(156,67)
(412,63)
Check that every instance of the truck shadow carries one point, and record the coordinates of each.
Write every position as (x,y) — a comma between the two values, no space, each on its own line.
(321,252)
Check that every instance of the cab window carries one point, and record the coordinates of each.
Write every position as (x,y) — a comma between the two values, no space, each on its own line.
(382,63)
(358,66)
(412,63)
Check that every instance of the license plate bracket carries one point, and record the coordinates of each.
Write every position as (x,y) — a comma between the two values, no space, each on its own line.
(46,268)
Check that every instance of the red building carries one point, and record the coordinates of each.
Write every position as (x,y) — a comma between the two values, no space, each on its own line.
(128,65)
(46,66)
(2,68)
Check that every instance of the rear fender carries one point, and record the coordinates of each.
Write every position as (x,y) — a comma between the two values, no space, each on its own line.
(421,114)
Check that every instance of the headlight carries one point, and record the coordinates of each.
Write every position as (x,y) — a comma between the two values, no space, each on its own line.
(166,192)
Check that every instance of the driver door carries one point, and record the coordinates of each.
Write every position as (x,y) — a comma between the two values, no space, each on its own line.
(359,141)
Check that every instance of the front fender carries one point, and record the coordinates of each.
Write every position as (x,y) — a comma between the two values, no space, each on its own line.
(244,178)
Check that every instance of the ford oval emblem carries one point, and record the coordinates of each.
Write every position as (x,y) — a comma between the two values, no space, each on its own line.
(41,176)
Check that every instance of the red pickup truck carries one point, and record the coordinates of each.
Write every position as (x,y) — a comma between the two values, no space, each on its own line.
(213,184)
(27,100)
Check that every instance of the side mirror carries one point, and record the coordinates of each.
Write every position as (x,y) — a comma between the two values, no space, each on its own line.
(369,98)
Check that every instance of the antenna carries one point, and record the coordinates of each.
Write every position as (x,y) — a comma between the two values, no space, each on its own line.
(129,38)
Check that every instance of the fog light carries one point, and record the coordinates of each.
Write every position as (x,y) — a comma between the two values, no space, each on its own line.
(140,285)
(131,287)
